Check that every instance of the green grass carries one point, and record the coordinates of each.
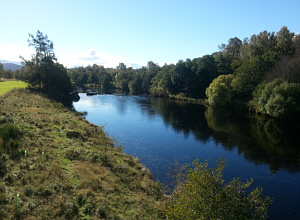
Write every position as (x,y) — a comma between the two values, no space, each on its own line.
(84,174)
(9,85)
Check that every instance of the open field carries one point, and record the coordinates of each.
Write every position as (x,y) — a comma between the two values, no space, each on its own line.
(9,85)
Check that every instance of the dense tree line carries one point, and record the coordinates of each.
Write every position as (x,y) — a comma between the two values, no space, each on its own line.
(7,74)
(266,75)
(239,73)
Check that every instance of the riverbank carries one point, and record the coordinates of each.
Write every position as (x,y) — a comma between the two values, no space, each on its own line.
(73,170)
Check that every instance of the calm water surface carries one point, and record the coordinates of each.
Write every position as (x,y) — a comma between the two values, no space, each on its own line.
(160,132)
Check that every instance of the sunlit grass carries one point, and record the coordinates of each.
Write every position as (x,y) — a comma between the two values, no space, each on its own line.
(84,175)
(9,85)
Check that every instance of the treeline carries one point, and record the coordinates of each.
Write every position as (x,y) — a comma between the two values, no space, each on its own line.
(7,74)
(19,74)
(262,71)
(190,77)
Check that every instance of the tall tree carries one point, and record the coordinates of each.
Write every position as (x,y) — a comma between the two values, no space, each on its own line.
(205,71)
(121,67)
(284,41)
(151,71)
(233,46)
(43,70)
(43,47)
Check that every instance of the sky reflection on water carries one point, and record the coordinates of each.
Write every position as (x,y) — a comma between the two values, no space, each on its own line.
(161,132)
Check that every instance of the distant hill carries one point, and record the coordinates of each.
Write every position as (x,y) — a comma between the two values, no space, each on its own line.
(10,65)
(74,67)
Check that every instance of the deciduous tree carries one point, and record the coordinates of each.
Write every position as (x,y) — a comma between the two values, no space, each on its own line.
(219,92)
(277,98)
(201,193)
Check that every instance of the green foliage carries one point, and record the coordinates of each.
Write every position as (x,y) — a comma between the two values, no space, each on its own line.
(122,81)
(284,41)
(161,83)
(201,193)
(223,63)
(1,70)
(158,92)
(258,45)
(233,47)
(277,98)
(136,85)
(252,73)
(219,92)
(106,83)
(205,70)
(264,56)
(93,78)
(43,70)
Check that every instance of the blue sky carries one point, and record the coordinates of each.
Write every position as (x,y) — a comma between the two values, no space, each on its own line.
(135,32)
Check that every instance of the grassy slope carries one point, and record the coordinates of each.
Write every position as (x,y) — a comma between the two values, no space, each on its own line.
(9,85)
(77,179)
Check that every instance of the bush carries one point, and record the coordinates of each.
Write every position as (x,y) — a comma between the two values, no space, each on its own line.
(219,92)
(201,193)
(277,98)
(158,92)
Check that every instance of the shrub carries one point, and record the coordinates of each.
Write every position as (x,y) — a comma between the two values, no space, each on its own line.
(277,98)
(201,193)
(219,92)
(158,92)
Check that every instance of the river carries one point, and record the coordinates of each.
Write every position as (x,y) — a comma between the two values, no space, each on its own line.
(161,132)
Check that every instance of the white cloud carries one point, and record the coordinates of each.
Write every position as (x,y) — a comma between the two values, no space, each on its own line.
(84,58)
(92,56)
(13,52)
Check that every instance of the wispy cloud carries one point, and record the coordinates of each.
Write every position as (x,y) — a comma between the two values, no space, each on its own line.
(92,56)
(82,58)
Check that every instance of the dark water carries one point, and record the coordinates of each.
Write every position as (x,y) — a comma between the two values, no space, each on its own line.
(161,131)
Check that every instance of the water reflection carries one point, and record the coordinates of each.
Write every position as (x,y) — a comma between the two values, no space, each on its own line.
(162,131)
(260,139)
(184,117)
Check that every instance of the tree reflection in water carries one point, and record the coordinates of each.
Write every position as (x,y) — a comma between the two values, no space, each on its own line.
(260,139)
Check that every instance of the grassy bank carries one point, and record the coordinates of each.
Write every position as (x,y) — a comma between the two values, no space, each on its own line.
(73,170)
(6,86)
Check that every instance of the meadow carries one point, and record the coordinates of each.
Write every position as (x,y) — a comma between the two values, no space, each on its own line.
(6,86)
